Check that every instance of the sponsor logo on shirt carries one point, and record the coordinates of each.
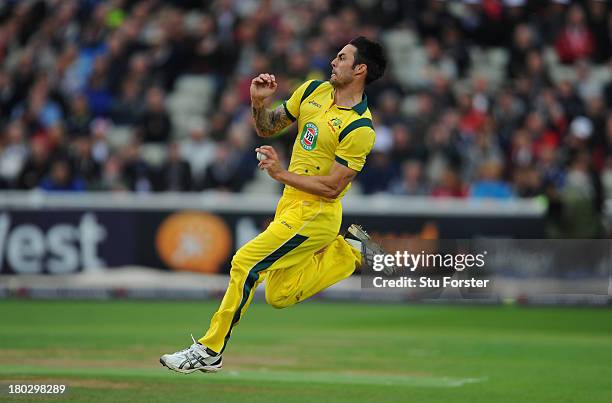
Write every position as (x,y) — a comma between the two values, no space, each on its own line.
(308,138)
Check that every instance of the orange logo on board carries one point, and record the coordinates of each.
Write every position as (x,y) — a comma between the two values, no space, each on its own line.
(193,241)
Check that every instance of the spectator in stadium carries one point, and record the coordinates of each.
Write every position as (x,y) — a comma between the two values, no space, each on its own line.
(135,170)
(549,167)
(423,117)
(7,94)
(527,182)
(485,147)
(551,19)
(507,113)
(404,146)
(433,61)
(536,72)
(411,181)
(456,47)
(379,175)
(522,42)
(82,161)
(79,117)
(598,19)
(540,133)
(111,177)
(575,41)
(442,93)
(522,151)
(209,57)
(442,152)
(139,68)
(37,165)
(117,50)
(433,16)
(13,153)
(489,184)
(127,108)
(175,174)
(97,90)
(62,178)
(224,174)
(389,109)
(449,184)
(38,111)
(199,151)
(569,99)
(154,125)
(100,149)
(579,197)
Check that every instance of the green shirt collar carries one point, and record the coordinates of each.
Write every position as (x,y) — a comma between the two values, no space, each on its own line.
(361,107)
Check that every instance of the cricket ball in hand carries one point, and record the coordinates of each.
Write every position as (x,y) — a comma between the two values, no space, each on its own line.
(261,156)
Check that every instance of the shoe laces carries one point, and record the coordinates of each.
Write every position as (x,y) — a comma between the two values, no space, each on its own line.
(364,231)
(197,348)
(194,346)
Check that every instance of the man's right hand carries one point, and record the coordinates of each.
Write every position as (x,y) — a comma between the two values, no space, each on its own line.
(262,87)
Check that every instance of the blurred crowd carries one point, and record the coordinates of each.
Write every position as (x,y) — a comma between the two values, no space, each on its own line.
(483,98)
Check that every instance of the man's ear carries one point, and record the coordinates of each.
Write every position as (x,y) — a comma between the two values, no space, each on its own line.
(361,69)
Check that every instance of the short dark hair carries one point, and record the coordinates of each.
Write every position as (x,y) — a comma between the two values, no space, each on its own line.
(372,55)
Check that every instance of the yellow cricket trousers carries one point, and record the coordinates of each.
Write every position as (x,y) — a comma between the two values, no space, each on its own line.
(298,255)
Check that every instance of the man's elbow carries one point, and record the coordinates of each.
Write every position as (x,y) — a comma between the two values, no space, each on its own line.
(261,133)
(330,194)
(333,192)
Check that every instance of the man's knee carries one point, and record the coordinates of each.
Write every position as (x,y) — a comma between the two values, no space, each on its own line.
(276,300)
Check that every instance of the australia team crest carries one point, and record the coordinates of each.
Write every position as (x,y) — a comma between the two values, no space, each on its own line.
(308,138)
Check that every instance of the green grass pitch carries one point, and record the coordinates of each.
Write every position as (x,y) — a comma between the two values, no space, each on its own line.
(312,352)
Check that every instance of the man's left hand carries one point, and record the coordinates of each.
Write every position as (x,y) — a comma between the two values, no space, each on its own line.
(271,163)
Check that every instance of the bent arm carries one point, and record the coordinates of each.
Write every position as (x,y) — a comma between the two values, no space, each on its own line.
(329,186)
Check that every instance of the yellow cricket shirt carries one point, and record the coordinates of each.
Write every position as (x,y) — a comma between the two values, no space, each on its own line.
(327,132)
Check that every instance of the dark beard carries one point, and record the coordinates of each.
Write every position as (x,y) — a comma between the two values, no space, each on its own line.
(336,84)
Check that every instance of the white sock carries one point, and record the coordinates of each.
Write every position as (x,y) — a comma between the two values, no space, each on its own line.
(354,243)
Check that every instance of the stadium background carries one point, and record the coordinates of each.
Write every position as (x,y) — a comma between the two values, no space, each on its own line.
(127,171)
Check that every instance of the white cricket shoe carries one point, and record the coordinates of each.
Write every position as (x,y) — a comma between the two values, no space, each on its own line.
(193,358)
(369,248)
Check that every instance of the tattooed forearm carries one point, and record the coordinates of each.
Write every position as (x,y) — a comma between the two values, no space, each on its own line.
(268,123)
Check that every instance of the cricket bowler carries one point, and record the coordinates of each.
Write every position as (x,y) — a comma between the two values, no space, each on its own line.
(301,252)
